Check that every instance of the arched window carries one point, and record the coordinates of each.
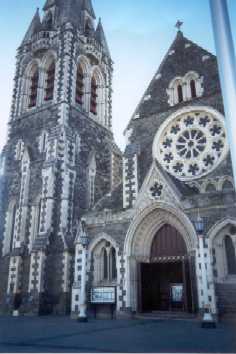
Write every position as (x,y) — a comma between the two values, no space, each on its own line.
(230,255)
(79,85)
(193,89)
(39,216)
(50,82)
(180,93)
(33,89)
(105,264)
(94,95)
(112,262)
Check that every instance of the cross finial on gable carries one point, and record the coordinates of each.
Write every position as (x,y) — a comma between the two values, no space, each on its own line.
(179,24)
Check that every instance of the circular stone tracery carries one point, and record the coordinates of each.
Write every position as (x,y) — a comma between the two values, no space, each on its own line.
(191,144)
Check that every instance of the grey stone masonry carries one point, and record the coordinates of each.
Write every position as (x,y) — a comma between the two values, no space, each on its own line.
(46,158)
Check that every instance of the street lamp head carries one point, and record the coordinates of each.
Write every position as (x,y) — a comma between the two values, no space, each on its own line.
(81,233)
(84,240)
(199,225)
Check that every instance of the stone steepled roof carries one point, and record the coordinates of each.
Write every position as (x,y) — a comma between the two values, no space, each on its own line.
(87,5)
(101,38)
(183,56)
(50,3)
(71,10)
(34,27)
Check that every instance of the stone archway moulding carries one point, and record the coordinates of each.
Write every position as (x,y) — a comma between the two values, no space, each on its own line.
(139,240)
(100,237)
(218,227)
(147,223)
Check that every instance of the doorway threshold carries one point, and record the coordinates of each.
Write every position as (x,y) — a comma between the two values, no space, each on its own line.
(167,315)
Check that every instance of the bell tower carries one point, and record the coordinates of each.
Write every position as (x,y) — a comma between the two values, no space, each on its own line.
(61,116)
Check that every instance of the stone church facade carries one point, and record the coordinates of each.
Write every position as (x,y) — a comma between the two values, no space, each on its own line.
(140,208)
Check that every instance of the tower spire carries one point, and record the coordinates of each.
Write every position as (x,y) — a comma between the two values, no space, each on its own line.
(34,27)
(101,38)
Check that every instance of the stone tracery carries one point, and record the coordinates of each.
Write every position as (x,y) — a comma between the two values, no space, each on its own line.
(192,144)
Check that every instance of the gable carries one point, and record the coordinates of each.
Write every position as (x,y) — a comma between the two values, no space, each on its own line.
(158,187)
(183,57)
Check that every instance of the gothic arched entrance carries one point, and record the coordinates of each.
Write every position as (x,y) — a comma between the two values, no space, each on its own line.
(165,283)
(142,241)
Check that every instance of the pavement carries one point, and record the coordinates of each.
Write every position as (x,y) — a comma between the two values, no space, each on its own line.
(61,334)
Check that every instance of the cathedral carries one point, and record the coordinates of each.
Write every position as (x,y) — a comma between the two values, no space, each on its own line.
(148,230)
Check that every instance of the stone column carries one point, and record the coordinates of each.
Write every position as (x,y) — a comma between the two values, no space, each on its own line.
(79,291)
(206,289)
(83,299)
(36,281)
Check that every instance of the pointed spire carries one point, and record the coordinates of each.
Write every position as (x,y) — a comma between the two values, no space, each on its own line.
(87,5)
(34,27)
(101,38)
(49,3)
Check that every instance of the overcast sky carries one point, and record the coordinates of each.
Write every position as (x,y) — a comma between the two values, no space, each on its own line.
(139,32)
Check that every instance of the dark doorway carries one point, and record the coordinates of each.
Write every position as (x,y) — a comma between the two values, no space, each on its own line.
(165,282)
(164,287)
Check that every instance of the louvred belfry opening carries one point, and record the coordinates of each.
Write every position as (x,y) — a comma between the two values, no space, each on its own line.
(180,93)
(93,102)
(193,89)
(49,90)
(80,85)
(33,89)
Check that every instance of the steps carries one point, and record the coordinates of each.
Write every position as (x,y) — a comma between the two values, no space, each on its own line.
(165,315)
(226,298)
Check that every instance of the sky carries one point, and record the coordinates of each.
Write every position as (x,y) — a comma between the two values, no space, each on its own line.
(139,33)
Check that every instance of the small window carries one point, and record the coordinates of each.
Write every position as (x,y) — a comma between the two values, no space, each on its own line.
(105,264)
(93,100)
(193,89)
(91,190)
(180,93)
(230,255)
(113,269)
(13,227)
(39,215)
(79,85)
(91,180)
(43,142)
(50,79)
(33,92)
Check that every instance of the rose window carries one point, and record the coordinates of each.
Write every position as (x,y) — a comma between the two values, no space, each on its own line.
(191,145)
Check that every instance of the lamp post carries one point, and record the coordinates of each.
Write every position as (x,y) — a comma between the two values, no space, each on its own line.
(83,243)
(207,319)
(227,68)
